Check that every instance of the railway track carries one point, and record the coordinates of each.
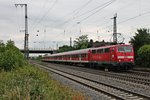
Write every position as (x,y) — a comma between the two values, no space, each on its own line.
(138,77)
(140,73)
(142,78)
(131,77)
(109,90)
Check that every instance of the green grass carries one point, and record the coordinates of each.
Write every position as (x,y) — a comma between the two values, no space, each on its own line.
(31,83)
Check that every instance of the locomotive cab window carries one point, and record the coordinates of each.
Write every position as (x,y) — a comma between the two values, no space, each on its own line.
(124,49)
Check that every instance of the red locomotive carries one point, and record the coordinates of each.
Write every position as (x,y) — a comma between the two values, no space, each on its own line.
(118,57)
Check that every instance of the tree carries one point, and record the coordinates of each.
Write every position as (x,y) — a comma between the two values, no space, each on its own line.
(2,47)
(141,38)
(65,48)
(11,57)
(81,42)
(144,56)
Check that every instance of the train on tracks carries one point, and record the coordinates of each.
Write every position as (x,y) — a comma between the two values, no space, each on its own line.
(118,57)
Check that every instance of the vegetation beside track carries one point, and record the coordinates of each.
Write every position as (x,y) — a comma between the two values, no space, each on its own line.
(33,84)
(141,44)
(10,57)
(21,81)
(144,56)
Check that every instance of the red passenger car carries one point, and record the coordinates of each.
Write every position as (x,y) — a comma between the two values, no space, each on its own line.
(117,57)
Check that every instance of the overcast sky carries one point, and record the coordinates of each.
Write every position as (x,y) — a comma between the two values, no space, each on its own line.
(52,22)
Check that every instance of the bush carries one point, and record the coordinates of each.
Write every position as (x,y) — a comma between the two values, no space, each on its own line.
(10,57)
(30,83)
(144,56)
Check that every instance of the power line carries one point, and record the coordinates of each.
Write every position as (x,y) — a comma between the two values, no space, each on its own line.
(97,10)
(105,5)
(43,6)
(142,14)
(86,4)
(76,10)
(134,17)
(46,13)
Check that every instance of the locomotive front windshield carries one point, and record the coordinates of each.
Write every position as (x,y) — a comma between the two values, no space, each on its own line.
(124,49)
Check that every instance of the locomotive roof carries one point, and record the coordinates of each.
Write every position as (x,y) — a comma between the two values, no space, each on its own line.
(83,51)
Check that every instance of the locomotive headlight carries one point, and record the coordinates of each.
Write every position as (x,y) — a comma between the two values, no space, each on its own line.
(131,60)
(119,60)
(112,56)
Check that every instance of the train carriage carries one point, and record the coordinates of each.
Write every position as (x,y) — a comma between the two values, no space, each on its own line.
(119,57)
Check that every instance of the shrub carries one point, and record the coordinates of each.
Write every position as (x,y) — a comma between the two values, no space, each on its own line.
(144,56)
(10,57)
(30,83)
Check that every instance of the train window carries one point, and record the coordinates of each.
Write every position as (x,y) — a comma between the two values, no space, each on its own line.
(106,50)
(76,56)
(68,56)
(127,49)
(100,51)
(94,51)
(124,49)
(73,56)
(83,55)
(121,49)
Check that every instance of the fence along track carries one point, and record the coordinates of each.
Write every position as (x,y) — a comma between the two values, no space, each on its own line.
(100,87)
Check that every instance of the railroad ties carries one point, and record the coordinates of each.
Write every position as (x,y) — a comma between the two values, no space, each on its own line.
(110,91)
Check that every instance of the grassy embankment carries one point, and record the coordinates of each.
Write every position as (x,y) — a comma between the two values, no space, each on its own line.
(21,81)
(31,83)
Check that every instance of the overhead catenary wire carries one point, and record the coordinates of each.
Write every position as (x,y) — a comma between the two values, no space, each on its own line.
(45,14)
(106,3)
(118,23)
(83,6)
(148,12)
(131,18)
(43,6)
(102,7)
(74,12)
(98,10)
